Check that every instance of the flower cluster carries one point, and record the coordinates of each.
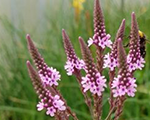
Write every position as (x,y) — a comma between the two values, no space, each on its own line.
(49,76)
(100,41)
(51,104)
(135,64)
(135,60)
(124,85)
(110,61)
(73,63)
(93,81)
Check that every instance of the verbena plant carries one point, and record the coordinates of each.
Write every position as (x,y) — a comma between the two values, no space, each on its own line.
(121,69)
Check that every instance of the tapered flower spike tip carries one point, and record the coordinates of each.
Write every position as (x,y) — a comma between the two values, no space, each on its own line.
(134,27)
(33,50)
(98,18)
(82,43)
(120,33)
(85,50)
(30,42)
(30,68)
(33,74)
(67,43)
(121,54)
(27,36)
(28,65)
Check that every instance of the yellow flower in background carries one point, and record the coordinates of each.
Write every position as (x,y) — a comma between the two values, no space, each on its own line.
(78,6)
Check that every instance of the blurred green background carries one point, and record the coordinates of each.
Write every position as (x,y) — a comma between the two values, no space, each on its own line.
(44,20)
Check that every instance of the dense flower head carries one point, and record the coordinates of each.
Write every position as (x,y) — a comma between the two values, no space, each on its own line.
(49,100)
(100,37)
(135,60)
(93,81)
(51,104)
(71,65)
(49,75)
(73,62)
(102,42)
(124,83)
(110,59)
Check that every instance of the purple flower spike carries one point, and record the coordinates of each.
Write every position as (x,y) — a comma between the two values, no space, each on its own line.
(93,81)
(100,37)
(52,103)
(124,83)
(135,60)
(110,60)
(49,75)
(73,62)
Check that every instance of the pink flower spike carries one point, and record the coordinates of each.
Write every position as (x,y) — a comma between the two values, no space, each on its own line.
(73,63)
(93,81)
(49,75)
(134,59)
(49,100)
(100,37)
(124,83)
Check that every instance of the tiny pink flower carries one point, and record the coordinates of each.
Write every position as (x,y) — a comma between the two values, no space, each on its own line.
(51,111)
(58,103)
(90,42)
(40,106)
(85,83)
